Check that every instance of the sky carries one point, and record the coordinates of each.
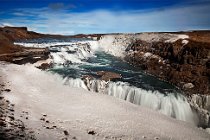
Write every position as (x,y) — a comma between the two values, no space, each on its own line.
(105,16)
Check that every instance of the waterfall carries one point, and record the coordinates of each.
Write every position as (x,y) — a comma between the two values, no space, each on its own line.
(173,104)
(65,53)
(69,53)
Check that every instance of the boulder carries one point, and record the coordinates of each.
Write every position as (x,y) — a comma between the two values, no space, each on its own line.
(45,66)
(188,86)
(108,76)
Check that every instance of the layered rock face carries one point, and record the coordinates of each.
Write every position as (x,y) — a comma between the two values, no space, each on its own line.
(9,34)
(181,58)
(185,65)
(18,54)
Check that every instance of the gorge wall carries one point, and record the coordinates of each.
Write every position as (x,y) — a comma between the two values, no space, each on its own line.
(185,63)
(182,59)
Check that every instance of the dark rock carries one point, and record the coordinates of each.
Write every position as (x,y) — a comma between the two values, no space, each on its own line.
(107,76)
(47,127)
(91,132)
(45,66)
(2,123)
(7,130)
(21,127)
(42,118)
(21,135)
(11,117)
(66,132)
(7,90)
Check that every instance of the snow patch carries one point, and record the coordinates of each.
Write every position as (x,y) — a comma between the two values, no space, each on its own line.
(185,42)
(177,37)
(147,54)
(115,44)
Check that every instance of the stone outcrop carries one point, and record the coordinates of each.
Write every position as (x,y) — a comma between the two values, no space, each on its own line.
(26,56)
(108,76)
(45,66)
(99,82)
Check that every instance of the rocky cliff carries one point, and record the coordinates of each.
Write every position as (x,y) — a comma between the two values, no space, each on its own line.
(18,54)
(181,58)
(184,63)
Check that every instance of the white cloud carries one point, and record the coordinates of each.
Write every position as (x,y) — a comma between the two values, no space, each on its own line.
(103,21)
(6,24)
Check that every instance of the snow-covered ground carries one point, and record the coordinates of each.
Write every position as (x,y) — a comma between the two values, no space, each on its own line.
(117,44)
(80,112)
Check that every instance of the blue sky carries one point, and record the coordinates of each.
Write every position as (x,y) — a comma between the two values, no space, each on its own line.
(105,16)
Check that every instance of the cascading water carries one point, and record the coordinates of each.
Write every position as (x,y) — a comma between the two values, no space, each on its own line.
(78,58)
(171,104)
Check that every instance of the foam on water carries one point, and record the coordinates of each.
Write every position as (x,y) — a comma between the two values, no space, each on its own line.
(43,45)
(66,52)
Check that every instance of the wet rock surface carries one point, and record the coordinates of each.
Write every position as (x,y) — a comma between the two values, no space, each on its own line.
(100,81)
